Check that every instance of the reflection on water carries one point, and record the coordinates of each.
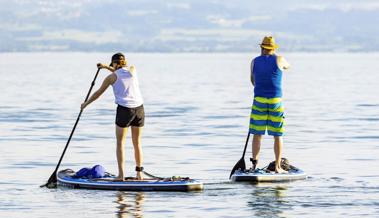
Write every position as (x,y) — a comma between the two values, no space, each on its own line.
(129,204)
(269,200)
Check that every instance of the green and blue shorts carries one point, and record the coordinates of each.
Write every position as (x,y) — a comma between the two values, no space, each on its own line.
(267,113)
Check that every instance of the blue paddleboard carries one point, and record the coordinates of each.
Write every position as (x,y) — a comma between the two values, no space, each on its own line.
(67,178)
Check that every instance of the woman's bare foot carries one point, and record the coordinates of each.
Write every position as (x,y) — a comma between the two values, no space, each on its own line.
(139,176)
(280,170)
(119,179)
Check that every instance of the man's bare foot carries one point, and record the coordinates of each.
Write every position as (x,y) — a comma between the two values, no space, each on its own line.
(280,170)
(139,176)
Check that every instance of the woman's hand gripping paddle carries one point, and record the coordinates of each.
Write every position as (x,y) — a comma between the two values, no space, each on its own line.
(241,163)
(51,183)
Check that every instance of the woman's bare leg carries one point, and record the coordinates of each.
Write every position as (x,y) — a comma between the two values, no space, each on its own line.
(120,151)
(138,155)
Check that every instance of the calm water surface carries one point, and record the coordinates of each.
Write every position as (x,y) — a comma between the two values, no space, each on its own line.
(197,108)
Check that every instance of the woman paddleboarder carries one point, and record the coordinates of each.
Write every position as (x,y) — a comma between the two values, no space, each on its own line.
(130,111)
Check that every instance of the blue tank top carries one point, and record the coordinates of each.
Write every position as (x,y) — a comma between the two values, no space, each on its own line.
(267,77)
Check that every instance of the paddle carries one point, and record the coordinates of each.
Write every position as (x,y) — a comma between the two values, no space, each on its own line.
(241,163)
(53,178)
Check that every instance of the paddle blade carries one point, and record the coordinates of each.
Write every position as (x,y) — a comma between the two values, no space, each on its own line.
(239,165)
(52,182)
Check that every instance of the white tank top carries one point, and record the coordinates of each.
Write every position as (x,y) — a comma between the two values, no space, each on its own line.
(126,89)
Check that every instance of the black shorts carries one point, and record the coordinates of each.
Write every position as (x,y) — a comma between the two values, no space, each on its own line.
(126,117)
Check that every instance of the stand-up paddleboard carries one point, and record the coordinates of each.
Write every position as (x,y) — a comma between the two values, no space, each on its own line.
(264,175)
(67,178)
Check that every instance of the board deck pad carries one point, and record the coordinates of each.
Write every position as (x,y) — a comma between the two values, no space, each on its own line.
(66,178)
(262,175)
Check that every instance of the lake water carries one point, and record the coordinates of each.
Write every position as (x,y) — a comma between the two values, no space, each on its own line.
(197,114)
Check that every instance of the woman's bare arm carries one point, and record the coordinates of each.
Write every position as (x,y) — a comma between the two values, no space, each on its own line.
(109,80)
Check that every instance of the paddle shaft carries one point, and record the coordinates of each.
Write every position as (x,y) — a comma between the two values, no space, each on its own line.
(247,142)
(53,176)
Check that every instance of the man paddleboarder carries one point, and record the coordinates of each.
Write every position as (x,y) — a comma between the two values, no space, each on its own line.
(267,112)
(130,111)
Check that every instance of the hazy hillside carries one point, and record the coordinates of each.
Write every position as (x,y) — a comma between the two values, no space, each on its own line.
(188,25)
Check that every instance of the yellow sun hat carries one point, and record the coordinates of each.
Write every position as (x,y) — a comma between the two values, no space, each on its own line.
(268,42)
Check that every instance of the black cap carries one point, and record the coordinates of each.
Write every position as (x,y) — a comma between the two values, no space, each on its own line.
(116,57)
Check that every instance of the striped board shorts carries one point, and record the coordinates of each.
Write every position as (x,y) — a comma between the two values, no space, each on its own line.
(267,113)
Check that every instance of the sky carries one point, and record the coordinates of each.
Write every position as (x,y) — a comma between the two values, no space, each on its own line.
(188,25)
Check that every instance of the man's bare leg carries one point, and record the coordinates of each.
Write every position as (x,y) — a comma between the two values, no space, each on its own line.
(256,147)
(120,151)
(278,143)
(138,155)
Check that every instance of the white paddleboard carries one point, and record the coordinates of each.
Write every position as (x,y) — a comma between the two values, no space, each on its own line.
(260,175)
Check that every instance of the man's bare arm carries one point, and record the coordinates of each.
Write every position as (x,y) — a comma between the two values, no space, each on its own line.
(282,63)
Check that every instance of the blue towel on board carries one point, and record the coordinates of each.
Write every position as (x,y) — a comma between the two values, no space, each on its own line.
(96,171)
